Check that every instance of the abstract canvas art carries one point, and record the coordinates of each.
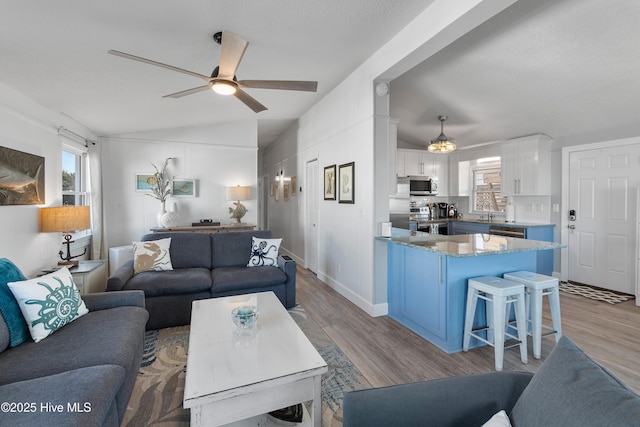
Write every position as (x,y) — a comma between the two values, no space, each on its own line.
(21,178)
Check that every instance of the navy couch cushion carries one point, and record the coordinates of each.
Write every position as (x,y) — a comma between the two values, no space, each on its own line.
(104,337)
(187,250)
(234,249)
(570,389)
(238,278)
(15,324)
(87,396)
(171,282)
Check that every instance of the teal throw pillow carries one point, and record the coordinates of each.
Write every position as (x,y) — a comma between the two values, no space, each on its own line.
(48,302)
(18,331)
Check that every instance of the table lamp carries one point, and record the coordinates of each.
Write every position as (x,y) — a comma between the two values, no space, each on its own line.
(65,219)
(238,193)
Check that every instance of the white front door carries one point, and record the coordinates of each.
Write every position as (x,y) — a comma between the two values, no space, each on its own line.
(311,228)
(602,197)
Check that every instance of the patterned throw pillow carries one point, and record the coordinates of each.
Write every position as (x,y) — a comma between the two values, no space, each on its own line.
(152,256)
(264,252)
(48,302)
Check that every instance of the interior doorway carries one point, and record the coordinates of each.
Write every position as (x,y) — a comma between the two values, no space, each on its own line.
(311,216)
(601,218)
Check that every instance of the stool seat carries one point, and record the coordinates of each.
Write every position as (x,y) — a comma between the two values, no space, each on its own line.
(498,294)
(536,287)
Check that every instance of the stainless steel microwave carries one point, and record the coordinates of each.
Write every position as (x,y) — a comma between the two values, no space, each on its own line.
(423,186)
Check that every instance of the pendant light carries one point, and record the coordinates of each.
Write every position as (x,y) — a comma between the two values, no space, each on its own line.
(442,144)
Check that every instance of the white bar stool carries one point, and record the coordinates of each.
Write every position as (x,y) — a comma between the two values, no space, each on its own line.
(497,293)
(536,286)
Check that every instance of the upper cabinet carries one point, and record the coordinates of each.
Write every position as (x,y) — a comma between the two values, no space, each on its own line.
(421,162)
(526,166)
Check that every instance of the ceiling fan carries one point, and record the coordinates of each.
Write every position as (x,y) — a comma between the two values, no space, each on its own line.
(223,79)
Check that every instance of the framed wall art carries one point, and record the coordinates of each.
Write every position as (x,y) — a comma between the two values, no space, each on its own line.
(330,182)
(21,178)
(294,185)
(272,191)
(346,178)
(285,192)
(182,187)
(145,182)
(277,192)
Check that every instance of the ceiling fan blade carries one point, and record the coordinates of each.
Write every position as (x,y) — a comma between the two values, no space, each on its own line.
(158,64)
(233,48)
(306,86)
(188,92)
(249,101)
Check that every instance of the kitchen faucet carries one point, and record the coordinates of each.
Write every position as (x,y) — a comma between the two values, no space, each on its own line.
(490,216)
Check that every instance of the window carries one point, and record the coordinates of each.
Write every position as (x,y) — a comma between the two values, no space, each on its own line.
(487,186)
(73,178)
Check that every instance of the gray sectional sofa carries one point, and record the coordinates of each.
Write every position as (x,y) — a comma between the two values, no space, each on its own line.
(569,389)
(81,375)
(204,266)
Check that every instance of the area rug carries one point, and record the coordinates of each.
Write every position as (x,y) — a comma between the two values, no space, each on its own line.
(159,388)
(594,293)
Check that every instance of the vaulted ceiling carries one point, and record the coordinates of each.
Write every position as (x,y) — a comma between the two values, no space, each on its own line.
(567,68)
(55,52)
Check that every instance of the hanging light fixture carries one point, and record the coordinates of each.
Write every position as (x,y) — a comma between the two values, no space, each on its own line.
(442,144)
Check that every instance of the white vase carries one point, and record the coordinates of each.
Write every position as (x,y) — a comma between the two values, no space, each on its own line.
(159,215)
(171,218)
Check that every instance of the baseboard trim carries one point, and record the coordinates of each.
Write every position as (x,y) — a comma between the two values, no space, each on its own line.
(373,310)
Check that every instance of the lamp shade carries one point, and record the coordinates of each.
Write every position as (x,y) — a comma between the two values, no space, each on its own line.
(238,193)
(65,219)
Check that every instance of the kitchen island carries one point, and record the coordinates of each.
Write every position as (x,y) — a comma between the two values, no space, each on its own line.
(427,278)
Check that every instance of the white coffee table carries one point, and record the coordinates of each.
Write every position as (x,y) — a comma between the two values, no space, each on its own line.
(241,374)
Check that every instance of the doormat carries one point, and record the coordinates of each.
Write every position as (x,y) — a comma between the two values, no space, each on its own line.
(594,293)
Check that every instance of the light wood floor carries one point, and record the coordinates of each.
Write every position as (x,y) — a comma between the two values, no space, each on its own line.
(388,353)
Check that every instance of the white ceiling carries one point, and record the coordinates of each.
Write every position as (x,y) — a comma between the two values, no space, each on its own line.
(55,52)
(566,68)
(569,69)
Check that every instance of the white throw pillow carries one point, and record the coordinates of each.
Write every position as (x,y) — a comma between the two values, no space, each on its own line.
(48,302)
(498,420)
(264,252)
(152,256)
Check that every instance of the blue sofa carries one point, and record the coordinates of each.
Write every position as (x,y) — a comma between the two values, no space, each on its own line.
(82,374)
(569,389)
(204,266)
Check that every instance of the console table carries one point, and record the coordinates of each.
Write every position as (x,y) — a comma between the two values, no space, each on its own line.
(210,229)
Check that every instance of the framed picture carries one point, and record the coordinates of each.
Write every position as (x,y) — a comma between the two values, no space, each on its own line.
(330,182)
(272,191)
(346,179)
(182,187)
(277,192)
(294,185)
(285,191)
(21,178)
(145,182)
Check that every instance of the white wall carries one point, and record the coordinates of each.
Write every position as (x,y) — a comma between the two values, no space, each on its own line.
(31,128)
(340,129)
(216,156)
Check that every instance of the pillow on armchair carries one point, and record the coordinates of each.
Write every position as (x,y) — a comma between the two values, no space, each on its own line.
(18,331)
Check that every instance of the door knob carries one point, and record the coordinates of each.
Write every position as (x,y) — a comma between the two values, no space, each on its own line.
(573,227)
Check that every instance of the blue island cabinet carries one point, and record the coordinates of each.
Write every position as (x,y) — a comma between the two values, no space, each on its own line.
(427,289)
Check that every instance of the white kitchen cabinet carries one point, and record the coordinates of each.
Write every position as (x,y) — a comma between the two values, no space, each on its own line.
(422,163)
(526,166)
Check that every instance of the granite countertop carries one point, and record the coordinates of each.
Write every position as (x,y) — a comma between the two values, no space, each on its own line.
(467,245)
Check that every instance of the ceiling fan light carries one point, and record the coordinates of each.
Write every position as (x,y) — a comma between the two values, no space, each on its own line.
(223,87)
(442,144)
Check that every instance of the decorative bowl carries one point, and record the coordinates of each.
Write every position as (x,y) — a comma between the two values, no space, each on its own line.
(245,316)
